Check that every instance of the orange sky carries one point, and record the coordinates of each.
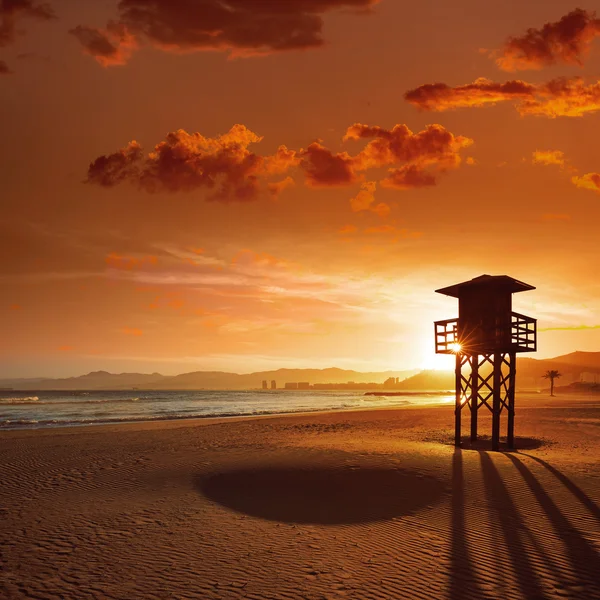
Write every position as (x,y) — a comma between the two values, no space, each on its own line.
(298,186)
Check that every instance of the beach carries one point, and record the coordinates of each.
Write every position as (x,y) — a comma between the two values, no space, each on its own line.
(347,504)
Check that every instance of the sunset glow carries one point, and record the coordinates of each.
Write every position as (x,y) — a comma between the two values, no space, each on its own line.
(181,194)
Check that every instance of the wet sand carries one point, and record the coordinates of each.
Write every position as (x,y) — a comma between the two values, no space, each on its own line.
(363,504)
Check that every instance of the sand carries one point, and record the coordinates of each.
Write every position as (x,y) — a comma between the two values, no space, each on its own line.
(363,504)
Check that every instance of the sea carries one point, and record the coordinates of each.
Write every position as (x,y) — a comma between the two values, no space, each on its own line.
(45,409)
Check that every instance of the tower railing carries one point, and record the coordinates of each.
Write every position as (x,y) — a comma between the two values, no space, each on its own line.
(523,335)
(523,332)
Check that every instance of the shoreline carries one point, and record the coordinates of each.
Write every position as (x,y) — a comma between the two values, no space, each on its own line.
(209,419)
(191,421)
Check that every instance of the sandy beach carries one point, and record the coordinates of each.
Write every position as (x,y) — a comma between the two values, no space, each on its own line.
(361,504)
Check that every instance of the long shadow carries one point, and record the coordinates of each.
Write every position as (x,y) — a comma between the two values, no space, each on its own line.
(504,512)
(584,559)
(328,496)
(574,489)
(484,442)
(463,583)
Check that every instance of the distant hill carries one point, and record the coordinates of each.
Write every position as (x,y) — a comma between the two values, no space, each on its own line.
(573,367)
(579,359)
(530,372)
(213,380)
(428,380)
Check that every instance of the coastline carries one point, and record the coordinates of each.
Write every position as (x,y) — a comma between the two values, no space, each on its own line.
(366,503)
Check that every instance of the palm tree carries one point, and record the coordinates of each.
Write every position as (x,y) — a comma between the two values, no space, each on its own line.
(551,375)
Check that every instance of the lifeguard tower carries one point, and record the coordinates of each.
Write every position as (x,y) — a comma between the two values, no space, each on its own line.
(486,338)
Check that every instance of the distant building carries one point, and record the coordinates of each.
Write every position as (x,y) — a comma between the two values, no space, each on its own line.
(264,384)
(303,385)
(291,386)
(590,377)
(389,382)
(273,385)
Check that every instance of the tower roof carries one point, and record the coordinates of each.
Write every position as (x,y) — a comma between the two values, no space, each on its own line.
(500,283)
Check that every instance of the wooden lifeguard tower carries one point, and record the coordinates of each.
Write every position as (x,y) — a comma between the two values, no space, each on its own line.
(486,338)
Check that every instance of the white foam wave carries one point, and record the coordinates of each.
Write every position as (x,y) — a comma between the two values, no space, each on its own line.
(19,400)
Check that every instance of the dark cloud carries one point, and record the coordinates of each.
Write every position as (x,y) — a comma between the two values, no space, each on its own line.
(440,97)
(565,41)
(561,97)
(326,168)
(186,162)
(240,27)
(434,145)
(225,165)
(13,10)
(409,177)
(110,46)
(4,70)
(115,168)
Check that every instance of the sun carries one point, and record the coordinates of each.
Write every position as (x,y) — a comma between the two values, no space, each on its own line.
(438,362)
(455,347)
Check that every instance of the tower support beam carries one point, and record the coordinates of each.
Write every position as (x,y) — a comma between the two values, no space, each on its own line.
(486,380)
(458,404)
(474,395)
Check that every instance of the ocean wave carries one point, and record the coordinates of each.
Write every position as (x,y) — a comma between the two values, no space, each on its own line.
(38,402)
(19,400)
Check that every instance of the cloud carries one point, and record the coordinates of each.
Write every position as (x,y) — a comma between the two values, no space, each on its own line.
(129,263)
(561,97)
(573,328)
(440,97)
(548,157)
(239,27)
(589,181)
(348,229)
(434,145)
(382,209)
(186,162)
(111,46)
(323,167)
(4,70)
(277,187)
(365,198)
(12,11)
(408,177)
(567,40)
(115,168)
(225,165)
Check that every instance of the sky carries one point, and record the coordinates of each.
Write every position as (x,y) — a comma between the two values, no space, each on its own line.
(245,185)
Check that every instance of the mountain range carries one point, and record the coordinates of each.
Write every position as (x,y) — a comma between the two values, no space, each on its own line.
(197,380)
(572,367)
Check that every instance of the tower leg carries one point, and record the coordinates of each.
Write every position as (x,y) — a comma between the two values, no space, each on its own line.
(474,395)
(457,407)
(510,434)
(496,402)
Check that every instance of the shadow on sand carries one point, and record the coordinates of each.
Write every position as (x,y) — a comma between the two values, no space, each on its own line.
(519,546)
(484,442)
(327,496)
